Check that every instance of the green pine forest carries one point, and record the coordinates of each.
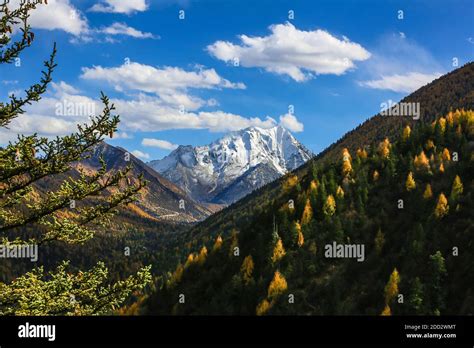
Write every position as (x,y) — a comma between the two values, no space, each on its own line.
(409,201)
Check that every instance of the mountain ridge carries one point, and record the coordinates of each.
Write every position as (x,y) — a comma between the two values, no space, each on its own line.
(215,173)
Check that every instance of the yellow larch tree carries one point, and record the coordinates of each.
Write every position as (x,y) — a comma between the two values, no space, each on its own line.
(361,153)
(278,251)
(346,155)
(190,260)
(346,168)
(177,275)
(391,289)
(457,188)
(406,133)
(421,162)
(329,206)
(202,255)
(340,192)
(441,168)
(346,162)
(446,156)
(217,243)
(246,269)
(428,192)
(429,145)
(277,286)
(410,182)
(386,311)
(290,182)
(442,124)
(307,213)
(313,186)
(376,175)
(263,307)
(384,148)
(442,207)
(300,240)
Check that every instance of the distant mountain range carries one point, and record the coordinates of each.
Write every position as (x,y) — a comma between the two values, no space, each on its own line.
(234,165)
(160,199)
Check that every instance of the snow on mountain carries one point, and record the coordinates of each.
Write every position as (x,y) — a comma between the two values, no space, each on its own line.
(234,165)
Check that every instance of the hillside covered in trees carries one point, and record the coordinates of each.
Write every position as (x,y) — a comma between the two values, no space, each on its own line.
(405,205)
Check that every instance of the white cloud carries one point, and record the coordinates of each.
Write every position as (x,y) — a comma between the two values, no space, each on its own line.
(62,15)
(149,79)
(405,83)
(162,144)
(296,53)
(151,114)
(290,122)
(123,29)
(43,117)
(141,113)
(122,135)
(57,15)
(400,64)
(141,155)
(120,6)
(169,83)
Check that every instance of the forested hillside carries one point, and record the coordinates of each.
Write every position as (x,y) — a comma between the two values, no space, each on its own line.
(407,201)
(451,91)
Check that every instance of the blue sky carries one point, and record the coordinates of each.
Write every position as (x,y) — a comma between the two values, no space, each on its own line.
(235,63)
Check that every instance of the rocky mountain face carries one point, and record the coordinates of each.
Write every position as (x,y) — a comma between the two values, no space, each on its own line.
(160,200)
(234,165)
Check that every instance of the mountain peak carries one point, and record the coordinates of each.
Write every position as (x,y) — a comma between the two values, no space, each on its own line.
(207,171)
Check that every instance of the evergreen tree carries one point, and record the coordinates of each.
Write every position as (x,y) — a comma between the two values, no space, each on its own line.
(438,273)
(31,159)
(379,241)
(415,300)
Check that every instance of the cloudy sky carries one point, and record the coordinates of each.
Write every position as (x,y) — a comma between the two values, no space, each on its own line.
(187,71)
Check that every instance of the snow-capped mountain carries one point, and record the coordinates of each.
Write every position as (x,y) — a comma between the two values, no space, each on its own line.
(234,165)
